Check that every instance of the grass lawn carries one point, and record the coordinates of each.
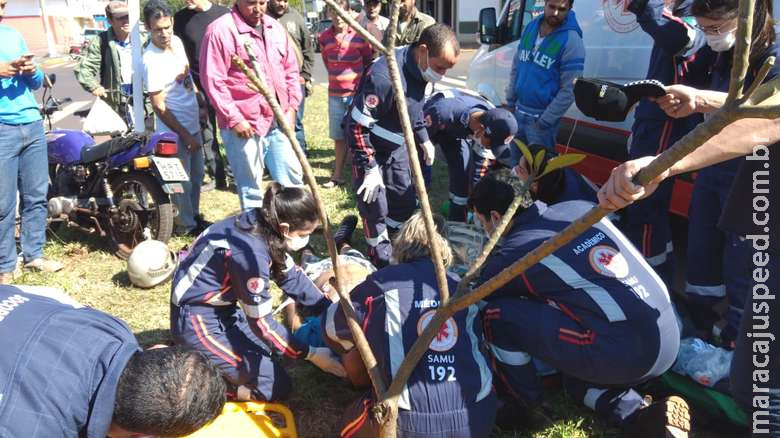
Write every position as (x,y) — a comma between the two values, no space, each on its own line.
(95,277)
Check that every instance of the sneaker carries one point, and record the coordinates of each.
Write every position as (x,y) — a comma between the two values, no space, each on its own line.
(44,265)
(344,233)
(201,223)
(6,277)
(667,418)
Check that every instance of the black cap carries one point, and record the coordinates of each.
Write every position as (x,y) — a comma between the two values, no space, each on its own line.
(611,102)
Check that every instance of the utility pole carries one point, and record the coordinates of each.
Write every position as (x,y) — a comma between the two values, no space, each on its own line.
(46,30)
(134,13)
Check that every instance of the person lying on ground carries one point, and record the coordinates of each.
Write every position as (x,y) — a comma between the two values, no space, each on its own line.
(354,267)
(69,370)
(221,302)
(450,391)
(594,309)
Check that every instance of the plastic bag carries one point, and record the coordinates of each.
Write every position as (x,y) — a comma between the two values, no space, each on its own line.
(466,241)
(103,120)
(703,362)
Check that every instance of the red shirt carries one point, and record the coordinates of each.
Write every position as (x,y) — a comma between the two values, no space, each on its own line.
(346,56)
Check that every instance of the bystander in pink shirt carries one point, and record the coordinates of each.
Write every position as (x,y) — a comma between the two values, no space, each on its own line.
(226,85)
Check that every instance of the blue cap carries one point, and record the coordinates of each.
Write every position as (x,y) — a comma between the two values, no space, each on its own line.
(501,128)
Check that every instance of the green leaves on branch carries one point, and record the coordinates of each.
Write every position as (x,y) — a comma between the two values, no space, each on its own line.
(561,161)
(534,163)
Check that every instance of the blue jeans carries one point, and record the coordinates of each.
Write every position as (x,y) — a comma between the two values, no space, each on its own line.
(248,158)
(24,166)
(529,132)
(188,202)
(299,132)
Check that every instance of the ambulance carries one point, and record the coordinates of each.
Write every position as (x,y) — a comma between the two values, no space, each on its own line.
(617,50)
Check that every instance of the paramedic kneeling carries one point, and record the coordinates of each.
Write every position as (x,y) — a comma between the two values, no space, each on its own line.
(593,309)
(69,370)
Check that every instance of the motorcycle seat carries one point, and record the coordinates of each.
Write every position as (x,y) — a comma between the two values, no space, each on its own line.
(103,150)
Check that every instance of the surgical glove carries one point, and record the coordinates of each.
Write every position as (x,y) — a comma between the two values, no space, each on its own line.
(372,182)
(429,152)
(326,360)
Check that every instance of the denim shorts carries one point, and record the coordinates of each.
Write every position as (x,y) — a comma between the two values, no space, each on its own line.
(337,107)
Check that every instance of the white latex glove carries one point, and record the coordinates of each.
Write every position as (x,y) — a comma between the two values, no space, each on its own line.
(372,182)
(326,360)
(429,152)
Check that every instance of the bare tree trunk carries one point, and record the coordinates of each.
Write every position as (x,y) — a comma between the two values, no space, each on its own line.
(760,101)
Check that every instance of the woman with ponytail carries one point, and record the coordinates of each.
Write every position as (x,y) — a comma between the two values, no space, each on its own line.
(220,299)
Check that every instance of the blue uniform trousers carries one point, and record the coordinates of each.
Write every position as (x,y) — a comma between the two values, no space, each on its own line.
(395,204)
(224,336)
(711,271)
(601,360)
(646,222)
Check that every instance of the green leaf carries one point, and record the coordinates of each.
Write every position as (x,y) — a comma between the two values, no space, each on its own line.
(526,153)
(562,161)
(538,161)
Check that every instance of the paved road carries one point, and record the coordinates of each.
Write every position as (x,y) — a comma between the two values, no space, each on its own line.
(66,86)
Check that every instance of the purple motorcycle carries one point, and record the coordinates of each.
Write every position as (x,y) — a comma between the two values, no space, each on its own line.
(117,189)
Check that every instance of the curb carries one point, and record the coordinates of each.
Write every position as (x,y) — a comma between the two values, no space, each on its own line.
(56,62)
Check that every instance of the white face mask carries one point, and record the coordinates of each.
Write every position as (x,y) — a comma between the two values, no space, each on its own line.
(722,42)
(296,243)
(429,75)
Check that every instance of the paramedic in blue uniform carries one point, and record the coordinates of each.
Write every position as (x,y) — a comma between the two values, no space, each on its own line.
(711,275)
(559,185)
(593,309)
(676,59)
(549,57)
(69,370)
(457,122)
(221,303)
(380,163)
(449,394)
(754,380)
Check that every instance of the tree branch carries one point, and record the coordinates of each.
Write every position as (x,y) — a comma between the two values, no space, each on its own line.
(741,61)
(374,373)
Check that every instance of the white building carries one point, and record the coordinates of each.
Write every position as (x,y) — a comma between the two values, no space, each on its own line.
(461,15)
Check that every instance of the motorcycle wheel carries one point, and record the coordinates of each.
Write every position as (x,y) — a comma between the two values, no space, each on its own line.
(141,204)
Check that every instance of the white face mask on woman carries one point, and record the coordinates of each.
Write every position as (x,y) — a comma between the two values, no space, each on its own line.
(296,243)
(721,42)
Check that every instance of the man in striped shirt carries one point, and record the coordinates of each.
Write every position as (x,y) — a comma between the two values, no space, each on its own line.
(346,55)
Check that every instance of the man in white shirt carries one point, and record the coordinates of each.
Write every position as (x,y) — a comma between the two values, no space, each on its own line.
(175,99)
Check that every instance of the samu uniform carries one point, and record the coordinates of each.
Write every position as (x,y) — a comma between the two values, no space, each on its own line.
(712,273)
(60,364)
(676,59)
(221,306)
(446,117)
(449,393)
(375,138)
(594,310)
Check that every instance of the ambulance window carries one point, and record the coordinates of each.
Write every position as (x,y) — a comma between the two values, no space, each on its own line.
(519,14)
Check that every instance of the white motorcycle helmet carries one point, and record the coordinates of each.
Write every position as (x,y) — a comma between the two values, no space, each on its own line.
(150,264)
